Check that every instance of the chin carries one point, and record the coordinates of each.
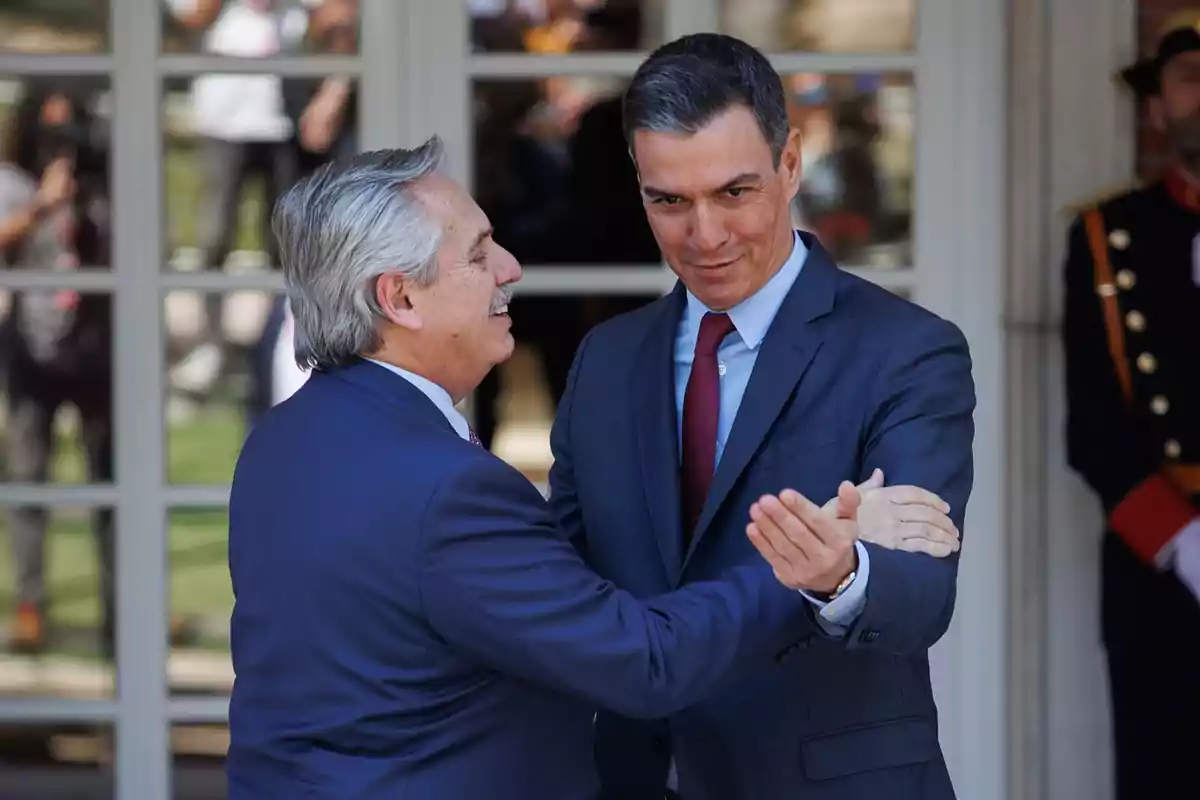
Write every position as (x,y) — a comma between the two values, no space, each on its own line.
(505,349)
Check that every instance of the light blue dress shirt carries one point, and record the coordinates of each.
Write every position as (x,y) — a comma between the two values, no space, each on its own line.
(735,358)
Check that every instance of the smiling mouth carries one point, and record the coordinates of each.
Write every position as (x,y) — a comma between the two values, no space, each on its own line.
(710,267)
(501,311)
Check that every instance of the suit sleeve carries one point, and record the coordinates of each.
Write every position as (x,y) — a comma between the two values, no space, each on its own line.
(921,434)
(502,583)
(1108,445)
(564,499)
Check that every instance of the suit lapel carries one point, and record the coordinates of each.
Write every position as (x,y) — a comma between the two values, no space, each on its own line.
(653,397)
(792,341)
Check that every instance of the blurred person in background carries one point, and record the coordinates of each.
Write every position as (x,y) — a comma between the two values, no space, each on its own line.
(243,132)
(1131,337)
(594,215)
(55,344)
(324,115)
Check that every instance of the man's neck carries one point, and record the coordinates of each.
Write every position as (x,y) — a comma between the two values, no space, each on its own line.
(392,357)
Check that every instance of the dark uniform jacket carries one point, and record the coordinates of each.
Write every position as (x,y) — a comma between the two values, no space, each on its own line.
(1132,338)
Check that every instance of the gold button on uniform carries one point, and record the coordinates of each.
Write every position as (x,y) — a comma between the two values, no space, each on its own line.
(1119,239)
(1172,448)
(1135,321)
(1126,279)
(1147,363)
(1159,405)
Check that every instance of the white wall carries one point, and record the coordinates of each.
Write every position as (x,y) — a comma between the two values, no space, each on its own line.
(1072,136)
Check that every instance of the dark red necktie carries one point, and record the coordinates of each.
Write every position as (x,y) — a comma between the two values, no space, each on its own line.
(701,408)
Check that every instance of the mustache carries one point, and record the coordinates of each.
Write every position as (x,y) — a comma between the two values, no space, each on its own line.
(500,299)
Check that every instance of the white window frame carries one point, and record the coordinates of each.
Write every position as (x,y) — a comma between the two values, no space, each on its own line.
(415,68)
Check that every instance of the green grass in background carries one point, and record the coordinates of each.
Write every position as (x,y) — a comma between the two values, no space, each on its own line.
(202,450)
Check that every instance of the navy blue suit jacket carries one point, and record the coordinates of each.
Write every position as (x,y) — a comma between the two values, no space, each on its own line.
(849,378)
(410,622)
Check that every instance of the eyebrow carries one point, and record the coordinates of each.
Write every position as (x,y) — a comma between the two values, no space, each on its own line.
(480,238)
(744,178)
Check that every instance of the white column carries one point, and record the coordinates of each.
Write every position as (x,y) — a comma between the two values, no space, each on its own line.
(960,251)
(1091,135)
(142,744)
(1027,336)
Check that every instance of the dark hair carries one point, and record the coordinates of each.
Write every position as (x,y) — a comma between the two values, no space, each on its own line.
(684,84)
(20,139)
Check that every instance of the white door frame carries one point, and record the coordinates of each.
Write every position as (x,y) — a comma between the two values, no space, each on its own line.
(1073,134)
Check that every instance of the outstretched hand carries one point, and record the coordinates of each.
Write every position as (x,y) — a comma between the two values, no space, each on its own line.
(905,518)
(808,547)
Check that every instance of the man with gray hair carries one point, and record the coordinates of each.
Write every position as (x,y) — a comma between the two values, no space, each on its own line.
(409,621)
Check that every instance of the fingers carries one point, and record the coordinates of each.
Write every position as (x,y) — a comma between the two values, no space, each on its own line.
(849,499)
(830,531)
(916,530)
(873,482)
(772,522)
(930,547)
(911,495)
(926,516)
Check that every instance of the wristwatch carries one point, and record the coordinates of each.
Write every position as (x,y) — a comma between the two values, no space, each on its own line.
(844,585)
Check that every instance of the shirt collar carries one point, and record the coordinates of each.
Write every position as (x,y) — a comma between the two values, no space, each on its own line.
(440,397)
(754,315)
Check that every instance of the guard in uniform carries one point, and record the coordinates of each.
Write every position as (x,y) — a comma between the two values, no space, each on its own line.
(1132,348)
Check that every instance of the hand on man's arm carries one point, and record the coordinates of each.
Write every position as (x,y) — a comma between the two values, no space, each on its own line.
(921,436)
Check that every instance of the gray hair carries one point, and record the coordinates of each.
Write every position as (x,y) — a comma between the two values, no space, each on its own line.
(684,84)
(339,229)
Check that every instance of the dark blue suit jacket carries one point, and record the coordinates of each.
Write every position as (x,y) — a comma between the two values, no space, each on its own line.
(849,378)
(410,622)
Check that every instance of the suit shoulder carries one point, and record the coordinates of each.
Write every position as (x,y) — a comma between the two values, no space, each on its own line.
(628,328)
(886,315)
(1116,197)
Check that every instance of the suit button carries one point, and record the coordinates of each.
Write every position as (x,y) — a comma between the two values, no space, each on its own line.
(785,653)
(868,636)
(659,745)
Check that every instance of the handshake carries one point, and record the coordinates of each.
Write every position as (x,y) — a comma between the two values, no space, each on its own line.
(812,547)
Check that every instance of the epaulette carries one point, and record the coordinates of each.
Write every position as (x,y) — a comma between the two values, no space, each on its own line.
(1101,197)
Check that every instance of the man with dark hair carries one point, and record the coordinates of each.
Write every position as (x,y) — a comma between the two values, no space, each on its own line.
(1131,346)
(765,368)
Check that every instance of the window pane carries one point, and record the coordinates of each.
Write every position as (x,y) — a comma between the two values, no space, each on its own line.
(57,423)
(223,173)
(56,570)
(55,132)
(199,761)
(54,761)
(54,26)
(201,601)
(858,155)
(822,25)
(553,173)
(220,379)
(261,27)
(566,26)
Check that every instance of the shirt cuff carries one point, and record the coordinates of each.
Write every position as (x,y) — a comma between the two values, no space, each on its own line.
(1189,532)
(837,616)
